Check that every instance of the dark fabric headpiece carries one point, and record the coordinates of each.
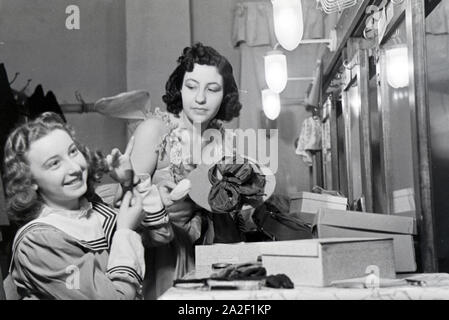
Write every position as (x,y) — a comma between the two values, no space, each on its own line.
(234,185)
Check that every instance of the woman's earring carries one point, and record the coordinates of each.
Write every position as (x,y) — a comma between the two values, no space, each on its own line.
(34,186)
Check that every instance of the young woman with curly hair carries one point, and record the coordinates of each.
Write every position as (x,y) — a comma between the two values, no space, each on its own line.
(201,93)
(71,246)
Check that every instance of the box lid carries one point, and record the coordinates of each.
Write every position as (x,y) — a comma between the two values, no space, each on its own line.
(317,196)
(366,221)
(307,248)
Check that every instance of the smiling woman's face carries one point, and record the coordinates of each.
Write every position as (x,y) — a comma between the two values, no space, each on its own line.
(58,169)
(202,93)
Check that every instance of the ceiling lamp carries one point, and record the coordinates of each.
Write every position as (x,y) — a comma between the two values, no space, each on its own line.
(397,66)
(271,104)
(288,22)
(276,70)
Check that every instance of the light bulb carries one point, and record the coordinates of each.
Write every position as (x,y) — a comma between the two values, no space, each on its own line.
(355,103)
(288,22)
(276,70)
(397,67)
(271,104)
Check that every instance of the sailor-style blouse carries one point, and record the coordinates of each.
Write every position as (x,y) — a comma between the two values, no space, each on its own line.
(77,255)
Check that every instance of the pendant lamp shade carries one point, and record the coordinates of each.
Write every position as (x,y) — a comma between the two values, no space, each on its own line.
(271,103)
(276,71)
(288,22)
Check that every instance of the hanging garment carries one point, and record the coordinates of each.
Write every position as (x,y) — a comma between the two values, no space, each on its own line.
(134,106)
(309,139)
(131,105)
(36,102)
(52,105)
(9,118)
(3,217)
(8,110)
(39,103)
(2,291)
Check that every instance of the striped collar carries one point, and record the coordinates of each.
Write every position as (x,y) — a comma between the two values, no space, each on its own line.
(92,230)
(84,210)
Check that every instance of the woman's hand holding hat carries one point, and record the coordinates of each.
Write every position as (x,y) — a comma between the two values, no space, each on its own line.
(130,214)
(152,203)
(165,187)
(172,192)
(181,190)
(120,165)
(174,198)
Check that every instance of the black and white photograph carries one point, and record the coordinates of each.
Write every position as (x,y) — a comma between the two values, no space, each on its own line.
(246,151)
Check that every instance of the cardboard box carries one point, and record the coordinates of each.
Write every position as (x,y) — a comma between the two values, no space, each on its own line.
(307,217)
(337,223)
(404,202)
(318,262)
(241,252)
(308,202)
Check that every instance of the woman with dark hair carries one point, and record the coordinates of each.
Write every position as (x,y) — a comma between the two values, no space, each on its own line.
(195,56)
(70,245)
(201,93)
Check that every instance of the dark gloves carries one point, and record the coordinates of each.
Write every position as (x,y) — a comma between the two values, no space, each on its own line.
(279,281)
(253,271)
(248,271)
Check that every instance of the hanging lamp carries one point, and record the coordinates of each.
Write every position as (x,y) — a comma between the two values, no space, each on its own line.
(271,104)
(276,70)
(288,22)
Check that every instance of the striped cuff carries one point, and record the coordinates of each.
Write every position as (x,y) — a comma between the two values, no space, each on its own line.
(126,257)
(155,213)
(152,219)
(118,271)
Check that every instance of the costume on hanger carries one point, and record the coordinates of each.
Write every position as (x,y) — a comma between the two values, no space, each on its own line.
(53,105)
(3,216)
(15,107)
(3,222)
(309,139)
(39,103)
(9,117)
(9,110)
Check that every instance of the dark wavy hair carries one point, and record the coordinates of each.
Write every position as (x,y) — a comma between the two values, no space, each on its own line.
(23,202)
(203,55)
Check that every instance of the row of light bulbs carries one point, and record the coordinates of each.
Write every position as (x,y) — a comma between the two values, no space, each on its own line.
(289,28)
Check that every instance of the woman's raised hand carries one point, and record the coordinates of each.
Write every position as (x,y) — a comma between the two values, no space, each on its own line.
(171,192)
(165,187)
(131,213)
(180,210)
(120,164)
